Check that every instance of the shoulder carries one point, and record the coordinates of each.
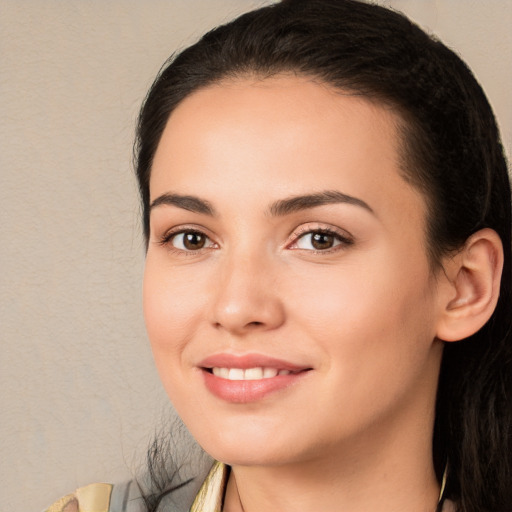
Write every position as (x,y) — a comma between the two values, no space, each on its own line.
(126,497)
(101,497)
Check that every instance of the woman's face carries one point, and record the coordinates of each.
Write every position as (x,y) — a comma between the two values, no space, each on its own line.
(288,296)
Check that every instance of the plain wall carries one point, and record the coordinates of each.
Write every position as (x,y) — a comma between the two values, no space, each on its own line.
(80,399)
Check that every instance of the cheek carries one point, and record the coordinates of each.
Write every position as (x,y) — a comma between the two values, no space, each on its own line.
(379,309)
(375,333)
(170,309)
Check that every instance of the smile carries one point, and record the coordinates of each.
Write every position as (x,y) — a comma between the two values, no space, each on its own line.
(257,373)
(250,377)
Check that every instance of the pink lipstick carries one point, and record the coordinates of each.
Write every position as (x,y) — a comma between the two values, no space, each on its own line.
(249,377)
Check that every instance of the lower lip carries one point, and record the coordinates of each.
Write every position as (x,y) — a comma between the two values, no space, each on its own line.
(245,391)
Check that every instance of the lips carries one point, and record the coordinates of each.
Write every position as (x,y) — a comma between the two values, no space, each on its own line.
(248,374)
(250,377)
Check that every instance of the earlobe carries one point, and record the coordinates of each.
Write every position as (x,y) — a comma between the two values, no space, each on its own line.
(471,286)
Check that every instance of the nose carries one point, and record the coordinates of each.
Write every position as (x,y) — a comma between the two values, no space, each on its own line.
(246,297)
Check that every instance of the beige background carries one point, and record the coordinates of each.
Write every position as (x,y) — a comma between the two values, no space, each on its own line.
(79,396)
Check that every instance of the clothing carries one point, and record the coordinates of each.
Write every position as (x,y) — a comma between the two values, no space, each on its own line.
(101,498)
(126,498)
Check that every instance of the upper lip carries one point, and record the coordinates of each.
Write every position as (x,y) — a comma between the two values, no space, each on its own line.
(245,361)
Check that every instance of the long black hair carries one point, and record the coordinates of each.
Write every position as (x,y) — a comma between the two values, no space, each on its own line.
(451,152)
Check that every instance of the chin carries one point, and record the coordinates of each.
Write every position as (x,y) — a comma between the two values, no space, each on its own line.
(239,454)
(251,443)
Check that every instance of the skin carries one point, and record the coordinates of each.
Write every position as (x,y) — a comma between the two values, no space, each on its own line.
(363,315)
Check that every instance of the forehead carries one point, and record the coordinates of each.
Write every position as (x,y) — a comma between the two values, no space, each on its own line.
(279,101)
(281,135)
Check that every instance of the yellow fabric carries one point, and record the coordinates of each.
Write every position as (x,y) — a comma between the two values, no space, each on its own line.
(96,497)
(210,496)
(91,498)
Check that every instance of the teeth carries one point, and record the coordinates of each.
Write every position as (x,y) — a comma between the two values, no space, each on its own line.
(236,374)
(221,372)
(269,373)
(248,374)
(253,374)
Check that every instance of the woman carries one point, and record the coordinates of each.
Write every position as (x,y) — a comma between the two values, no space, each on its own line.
(327,291)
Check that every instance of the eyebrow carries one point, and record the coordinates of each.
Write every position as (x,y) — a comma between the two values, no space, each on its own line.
(190,203)
(279,208)
(304,202)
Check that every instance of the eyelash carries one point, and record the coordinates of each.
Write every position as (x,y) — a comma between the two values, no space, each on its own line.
(169,236)
(343,240)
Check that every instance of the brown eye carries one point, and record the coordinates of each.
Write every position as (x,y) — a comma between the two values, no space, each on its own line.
(190,241)
(321,240)
(193,241)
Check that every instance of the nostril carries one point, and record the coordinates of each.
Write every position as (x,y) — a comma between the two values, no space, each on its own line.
(243,313)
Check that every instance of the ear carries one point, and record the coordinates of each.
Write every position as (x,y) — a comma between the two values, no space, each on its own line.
(470,286)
